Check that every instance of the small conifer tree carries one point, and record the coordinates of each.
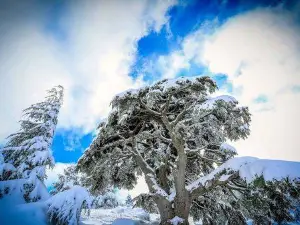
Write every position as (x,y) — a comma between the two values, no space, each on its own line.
(29,150)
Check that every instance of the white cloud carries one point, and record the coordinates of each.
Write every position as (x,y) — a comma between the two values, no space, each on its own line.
(182,59)
(93,63)
(261,46)
(275,133)
(52,174)
(28,62)
(259,51)
(72,141)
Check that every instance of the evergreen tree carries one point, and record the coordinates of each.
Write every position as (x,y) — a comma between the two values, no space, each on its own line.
(65,207)
(276,201)
(59,185)
(175,134)
(107,200)
(68,179)
(146,202)
(29,150)
(129,201)
(7,170)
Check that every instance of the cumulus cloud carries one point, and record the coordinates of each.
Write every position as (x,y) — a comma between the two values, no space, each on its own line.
(257,49)
(168,66)
(29,63)
(72,141)
(259,52)
(92,59)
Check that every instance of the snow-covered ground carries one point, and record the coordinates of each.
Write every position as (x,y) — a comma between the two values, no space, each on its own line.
(35,214)
(128,216)
(119,215)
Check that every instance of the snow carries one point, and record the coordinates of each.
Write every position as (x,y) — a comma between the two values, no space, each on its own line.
(270,169)
(227,147)
(224,177)
(15,191)
(109,199)
(6,167)
(38,171)
(250,168)
(40,191)
(172,196)
(66,205)
(164,86)
(40,157)
(116,215)
(127,92)
(1,157)
(39,144)
(170,83)
(159,190)
(22,214)
(244,127)
(124,222)
(210,102)
(176,220)
(14,210)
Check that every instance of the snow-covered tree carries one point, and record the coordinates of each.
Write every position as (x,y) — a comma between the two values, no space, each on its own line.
(107,201)
(65,207)
(146,202)
(129,201)
(71,177)
(29,150)
(276,201)
(60,185)
(174,133)
(68,179)
(7,170)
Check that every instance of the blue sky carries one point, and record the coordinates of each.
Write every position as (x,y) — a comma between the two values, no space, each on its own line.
(184,18)
(98,49)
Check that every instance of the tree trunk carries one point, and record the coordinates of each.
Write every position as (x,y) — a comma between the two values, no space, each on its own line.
(182,207)
(167,212)
(182,201)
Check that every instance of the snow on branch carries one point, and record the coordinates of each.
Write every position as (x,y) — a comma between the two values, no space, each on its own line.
(6,168)
(210,102)
(65,207)
(157,189)
(228,147)
(249,168)
(269,169)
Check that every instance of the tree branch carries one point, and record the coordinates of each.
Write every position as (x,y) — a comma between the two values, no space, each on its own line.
(180,115)
(112,144)
(166,105)
(209,184)
(151,111)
